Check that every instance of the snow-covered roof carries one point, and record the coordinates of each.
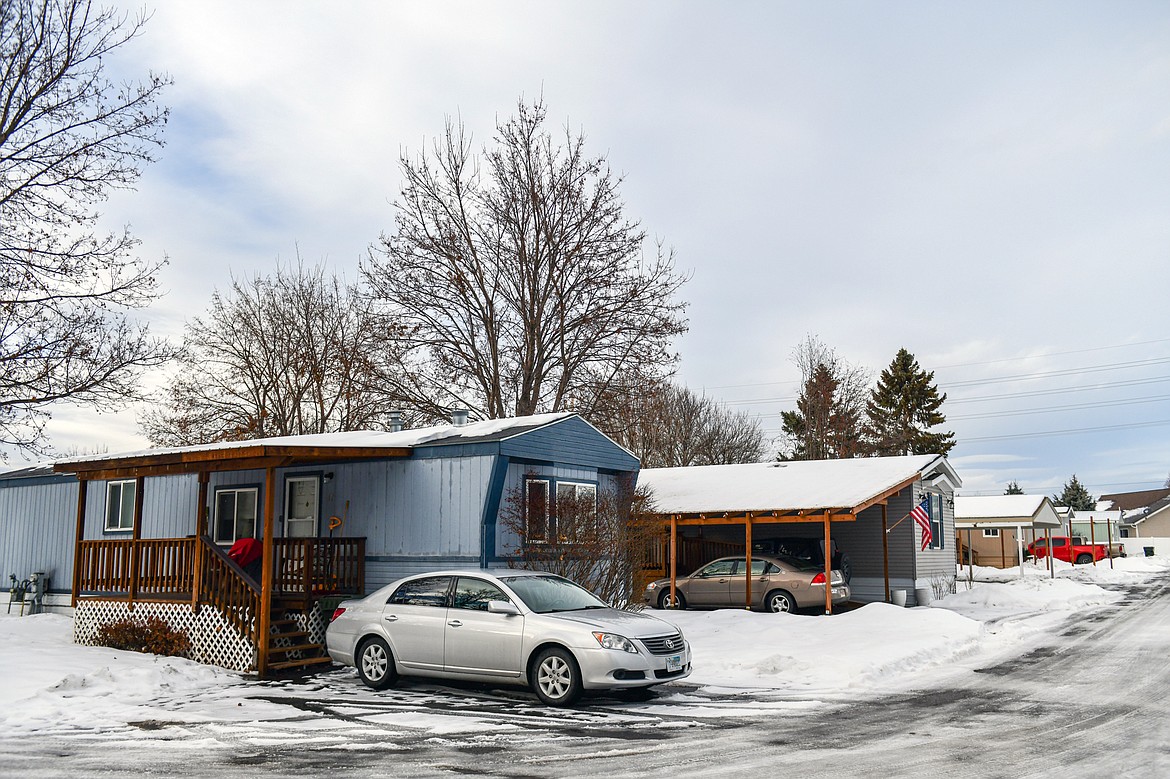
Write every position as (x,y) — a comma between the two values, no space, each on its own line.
(1005,511)
(806,485)
(438,435)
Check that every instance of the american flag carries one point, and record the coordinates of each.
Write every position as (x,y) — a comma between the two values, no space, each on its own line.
(921,514)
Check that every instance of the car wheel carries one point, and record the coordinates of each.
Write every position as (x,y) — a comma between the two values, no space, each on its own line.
(1084,559)
(847,568)
(556,678)
(779,601)
(664,601)
(375,664)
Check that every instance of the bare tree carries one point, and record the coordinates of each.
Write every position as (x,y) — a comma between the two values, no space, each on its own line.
(602,542)
(287,354)
(827,422)
(671,426)
(67,138)
(522,281)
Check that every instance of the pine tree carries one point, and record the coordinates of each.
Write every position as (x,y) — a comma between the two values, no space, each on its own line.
(1075,496)
(1014,488)
(822,427)
(903,408)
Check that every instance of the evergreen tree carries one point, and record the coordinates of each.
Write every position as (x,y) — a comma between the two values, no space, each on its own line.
(1075,496)
(1014,488)
(903,408)
(822,427)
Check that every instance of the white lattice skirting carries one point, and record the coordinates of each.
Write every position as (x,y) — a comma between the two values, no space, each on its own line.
(213,640)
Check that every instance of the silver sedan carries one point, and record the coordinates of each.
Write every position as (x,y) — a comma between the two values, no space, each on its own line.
(514,627)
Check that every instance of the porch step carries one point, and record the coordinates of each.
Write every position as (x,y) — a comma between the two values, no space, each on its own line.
(284,650)
(304,662)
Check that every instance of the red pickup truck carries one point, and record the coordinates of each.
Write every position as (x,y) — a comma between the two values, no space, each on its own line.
(1073,549)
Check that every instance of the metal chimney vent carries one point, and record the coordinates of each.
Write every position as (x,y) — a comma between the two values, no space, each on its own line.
(395,421)
(459,416)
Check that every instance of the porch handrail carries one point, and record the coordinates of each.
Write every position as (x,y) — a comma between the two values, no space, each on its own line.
(225,586)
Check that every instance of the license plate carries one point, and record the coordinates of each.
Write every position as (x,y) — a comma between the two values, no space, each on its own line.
(674,663)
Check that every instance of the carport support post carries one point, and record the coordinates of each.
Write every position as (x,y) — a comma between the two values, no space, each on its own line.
(828,555)
(673,555)
(747,574)
(886,553)
(1020,549)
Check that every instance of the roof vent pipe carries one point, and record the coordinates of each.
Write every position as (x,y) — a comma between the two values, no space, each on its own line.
(459,416)
(395,421)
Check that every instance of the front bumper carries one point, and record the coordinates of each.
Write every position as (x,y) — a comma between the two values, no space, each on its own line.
(603,669)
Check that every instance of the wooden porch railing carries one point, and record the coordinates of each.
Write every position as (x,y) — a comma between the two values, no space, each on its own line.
(196,570)
(692,552)
(224,585)
(319,566)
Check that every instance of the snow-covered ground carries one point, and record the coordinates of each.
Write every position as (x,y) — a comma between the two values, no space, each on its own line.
(52,686)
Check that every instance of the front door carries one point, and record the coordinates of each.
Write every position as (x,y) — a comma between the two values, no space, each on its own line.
(301,506)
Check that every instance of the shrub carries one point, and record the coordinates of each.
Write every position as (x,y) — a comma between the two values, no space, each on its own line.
(151,635)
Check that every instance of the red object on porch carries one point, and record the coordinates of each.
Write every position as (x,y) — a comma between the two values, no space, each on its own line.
(245,552)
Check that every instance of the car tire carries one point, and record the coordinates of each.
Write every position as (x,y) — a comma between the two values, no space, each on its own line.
(846,568)
(664,600)
(1084,559)
(779,602)
(555,678)
(375,664)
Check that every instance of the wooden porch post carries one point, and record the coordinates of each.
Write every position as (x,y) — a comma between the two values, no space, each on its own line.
(673,555)
(748,556)
(1002,552)
(886,552)
(136,536)
(264,619)
(200,532)
(82,491)
(828,566)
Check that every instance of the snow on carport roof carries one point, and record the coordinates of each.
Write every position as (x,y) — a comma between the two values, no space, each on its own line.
(805,485)
(1005,510)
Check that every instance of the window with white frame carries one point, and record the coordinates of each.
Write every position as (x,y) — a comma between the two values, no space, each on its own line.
(991,532)
(120,496)
(936,522)
(536,511)
(548,520)
(235,514)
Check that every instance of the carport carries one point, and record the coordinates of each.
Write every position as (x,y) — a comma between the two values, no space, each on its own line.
(820,492)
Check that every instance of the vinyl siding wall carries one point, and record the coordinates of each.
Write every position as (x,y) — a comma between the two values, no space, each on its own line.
(37,529)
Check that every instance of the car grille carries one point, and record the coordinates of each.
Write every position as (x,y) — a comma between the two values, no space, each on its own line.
(663,645)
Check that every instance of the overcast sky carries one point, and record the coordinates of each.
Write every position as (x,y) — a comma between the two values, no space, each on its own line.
(984,184)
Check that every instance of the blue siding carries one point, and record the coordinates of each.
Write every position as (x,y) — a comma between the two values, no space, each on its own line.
(37,529)
(571,441)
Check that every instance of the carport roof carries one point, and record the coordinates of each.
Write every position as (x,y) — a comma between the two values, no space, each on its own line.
(1005,511)
(797,487)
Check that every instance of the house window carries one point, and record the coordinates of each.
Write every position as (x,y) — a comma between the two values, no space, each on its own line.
(536,514)
(991,532)
(545,521)
(120,505)
(936,522)
(235,514)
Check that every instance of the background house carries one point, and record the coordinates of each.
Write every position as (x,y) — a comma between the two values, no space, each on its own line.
(996,528)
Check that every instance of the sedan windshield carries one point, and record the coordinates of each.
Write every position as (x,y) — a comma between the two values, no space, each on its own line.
(548,594)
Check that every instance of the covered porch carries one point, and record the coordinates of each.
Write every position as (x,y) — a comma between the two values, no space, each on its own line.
(266,622)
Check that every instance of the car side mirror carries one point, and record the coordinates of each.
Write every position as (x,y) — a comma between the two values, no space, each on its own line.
(502,607)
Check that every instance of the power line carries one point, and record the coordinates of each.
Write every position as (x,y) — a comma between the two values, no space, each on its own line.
(1069,431)
(1065,372)
(1071,407)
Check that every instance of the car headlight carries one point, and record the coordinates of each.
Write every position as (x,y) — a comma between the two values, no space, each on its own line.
(614,641)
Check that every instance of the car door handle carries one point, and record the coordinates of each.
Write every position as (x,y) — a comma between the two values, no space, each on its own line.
(455,623)
(391,617)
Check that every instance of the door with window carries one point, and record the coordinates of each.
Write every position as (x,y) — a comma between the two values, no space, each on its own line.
(302,506)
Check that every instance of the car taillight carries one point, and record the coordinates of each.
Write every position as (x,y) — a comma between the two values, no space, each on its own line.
(819,578)
(337,612)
